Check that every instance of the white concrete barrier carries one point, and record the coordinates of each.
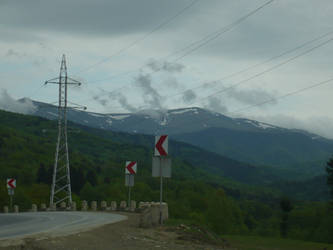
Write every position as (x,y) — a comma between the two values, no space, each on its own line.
(150,213)
(73,206)
(113,205)
(34,208)
(43,207)
(63,206)
(155,212)
(123,205)
(94,205)
(104,205)
(133,206)
(16,208)
(84,206)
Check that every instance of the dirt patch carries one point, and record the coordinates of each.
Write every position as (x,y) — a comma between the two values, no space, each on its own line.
(127,235)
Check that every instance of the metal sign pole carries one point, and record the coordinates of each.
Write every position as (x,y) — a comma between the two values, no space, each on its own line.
(11,202)
(129,196)
(10,193)
(161,190)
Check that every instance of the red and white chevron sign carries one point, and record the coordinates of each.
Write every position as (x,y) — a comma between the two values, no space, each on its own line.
(11,183)
(130,167)
(161,145)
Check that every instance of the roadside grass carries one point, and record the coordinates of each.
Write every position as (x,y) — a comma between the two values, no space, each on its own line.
(264,243)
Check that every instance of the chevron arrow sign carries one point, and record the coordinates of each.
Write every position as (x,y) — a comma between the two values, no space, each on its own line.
(161,145)
(131,167)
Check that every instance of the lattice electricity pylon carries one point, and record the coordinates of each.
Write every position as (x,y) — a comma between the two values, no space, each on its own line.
(61,181)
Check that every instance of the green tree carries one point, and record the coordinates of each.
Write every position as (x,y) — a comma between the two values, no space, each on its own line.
(286,207)
(42,176)
(77,179)
(88,193)
(219,214)
(91,177)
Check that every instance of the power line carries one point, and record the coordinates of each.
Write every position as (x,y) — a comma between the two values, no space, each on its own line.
(271,69)
(36,91)
(223,30)
(253,66)
(267,70)
(188,121)
(140,39)
(260,73)
(193,119)
(199,43)
(202,84)
(283,96)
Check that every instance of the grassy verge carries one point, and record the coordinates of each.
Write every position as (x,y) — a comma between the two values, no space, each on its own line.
(263,243)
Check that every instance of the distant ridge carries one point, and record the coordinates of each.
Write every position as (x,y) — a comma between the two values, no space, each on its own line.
(242,139)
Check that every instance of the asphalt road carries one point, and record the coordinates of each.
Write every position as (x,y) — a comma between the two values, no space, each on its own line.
(52,223)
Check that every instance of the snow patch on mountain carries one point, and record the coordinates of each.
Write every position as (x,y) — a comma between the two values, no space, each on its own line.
(96,115)
(260,124)
(119,117)
(182,111)
(164,122)
(265,125)
(109,121)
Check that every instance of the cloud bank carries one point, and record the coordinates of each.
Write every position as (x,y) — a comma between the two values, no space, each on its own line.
(23,106)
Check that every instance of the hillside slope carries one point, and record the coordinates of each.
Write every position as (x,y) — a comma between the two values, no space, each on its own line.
(243,139)
(33,138)
(202,182)
(26,142)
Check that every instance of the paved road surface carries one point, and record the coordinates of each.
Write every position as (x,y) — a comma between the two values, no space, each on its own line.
(54,223)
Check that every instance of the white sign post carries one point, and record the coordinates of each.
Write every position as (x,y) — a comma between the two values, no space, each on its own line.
(11,185)
(130,171)
(161,164)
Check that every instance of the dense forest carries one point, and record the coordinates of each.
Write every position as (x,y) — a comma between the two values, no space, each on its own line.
(199,192)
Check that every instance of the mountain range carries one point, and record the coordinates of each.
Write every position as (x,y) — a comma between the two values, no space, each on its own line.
(254,142)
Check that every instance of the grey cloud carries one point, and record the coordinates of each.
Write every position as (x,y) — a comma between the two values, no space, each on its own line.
(171,67)
(102,17)
(103,97)
(8,34)
(37,61)
(171,82)
(24,106)
(124,103)
(101,101)
(252,96)
(151,96)
(189,96)
(111,96)
(261,36)
(12,52)
(215,104)
(321,125)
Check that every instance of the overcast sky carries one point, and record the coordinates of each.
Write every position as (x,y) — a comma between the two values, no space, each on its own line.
(149,54)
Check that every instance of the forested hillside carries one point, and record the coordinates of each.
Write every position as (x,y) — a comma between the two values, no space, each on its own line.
(205,188)
(298,153)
